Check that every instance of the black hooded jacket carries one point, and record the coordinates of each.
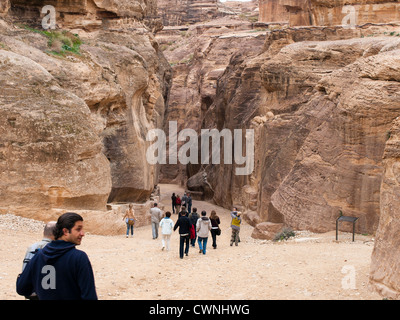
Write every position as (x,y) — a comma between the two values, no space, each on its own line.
(58,272)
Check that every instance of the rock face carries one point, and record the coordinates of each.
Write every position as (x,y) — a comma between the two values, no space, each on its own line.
(74,124)
(266,230)
(385,258)
(319,146)
(183,12)
(88,15)
(50,153)
(199,58)
(328,13)
(294,12)
(4,6)
(188,12)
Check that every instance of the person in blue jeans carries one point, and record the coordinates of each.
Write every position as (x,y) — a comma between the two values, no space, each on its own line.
(184,232)
(129,220)
(189,203)
(203,227)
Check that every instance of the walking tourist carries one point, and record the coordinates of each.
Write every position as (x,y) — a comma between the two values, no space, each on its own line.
(178,204)
(235,225)
(215,229)
(166,225)
(189,203)
(184,232)
(173,198)
(203,227)
(193,217)
(129,218)
(156,216)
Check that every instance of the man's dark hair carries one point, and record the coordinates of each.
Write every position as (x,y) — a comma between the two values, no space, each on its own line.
(66,220)
(203,213)
(168,214)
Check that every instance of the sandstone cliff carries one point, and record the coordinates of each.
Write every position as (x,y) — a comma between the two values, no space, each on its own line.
(188,12)
(319,146)
(76,107)
(321,101)
(200,55)
(385,263)
(328,13)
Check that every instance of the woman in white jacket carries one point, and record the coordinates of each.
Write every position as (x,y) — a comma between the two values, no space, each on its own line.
(166,225)
(203,227)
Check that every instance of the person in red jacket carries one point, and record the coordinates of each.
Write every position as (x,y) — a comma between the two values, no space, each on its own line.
(178,203)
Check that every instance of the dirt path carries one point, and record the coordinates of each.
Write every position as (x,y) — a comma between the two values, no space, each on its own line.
(312,266)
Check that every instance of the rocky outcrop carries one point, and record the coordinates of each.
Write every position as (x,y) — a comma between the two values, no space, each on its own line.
(266,230)
(51,152)
(189,12)
(200,55)
(74,126)
(294,12)
(326,13)
(4,7)
(185,12)
(319,146)
(329,13)
(88,15)
(385,260)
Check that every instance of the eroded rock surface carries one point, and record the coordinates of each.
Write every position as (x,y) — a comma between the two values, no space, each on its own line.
(74,124)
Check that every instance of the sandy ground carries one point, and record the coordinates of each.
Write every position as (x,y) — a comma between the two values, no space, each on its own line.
(309,267)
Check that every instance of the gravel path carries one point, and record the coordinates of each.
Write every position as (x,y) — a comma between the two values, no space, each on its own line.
(309,266)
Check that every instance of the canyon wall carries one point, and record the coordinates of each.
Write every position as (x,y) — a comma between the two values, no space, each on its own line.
(185,12)
(188,12)
(384,273)
(319,147)
(328,12)
(323,103)
(74,124)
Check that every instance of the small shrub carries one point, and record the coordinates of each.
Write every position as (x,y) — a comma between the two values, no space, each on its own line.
(60,43)
(285,234)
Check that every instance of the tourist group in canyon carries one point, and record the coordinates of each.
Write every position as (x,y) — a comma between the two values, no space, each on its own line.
(191,225)
(53,269)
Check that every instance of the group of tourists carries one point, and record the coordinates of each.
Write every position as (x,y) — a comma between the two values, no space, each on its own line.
(53,269)
(178,202)
(191,226)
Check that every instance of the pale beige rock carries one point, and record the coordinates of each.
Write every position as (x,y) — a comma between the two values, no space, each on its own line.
(4,7)
(87,15)
(329,13)
(50,153)
(122,80)
(385,260)
(266,230)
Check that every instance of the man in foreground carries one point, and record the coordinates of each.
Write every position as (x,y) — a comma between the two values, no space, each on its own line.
(59,271)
